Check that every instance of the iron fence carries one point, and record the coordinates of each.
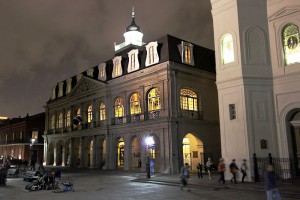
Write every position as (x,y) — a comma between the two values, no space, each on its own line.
(285,168)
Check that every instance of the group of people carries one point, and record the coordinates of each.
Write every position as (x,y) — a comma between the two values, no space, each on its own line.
(233,170)
(269,176)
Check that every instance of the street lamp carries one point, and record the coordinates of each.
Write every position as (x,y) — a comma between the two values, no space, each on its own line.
(150,144)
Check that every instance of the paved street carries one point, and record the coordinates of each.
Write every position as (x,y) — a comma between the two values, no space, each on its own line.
(91,184)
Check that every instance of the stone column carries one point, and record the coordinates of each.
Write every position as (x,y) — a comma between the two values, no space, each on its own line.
(55,155)
(95,152)
(82,152)
(72,153)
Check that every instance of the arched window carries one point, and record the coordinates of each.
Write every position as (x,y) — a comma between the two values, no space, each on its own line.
(102,112)
(60,120)
(227,49)
(68,119)
(52,125)
(188,100)
(135,104)
(290,39)
(90,114)
(154,99)
(119,108)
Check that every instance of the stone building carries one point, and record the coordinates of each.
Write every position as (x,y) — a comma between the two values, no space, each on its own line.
(21,138)
(258,75)
(153,103)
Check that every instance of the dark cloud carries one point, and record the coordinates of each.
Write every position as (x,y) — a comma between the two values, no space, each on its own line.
(43,42)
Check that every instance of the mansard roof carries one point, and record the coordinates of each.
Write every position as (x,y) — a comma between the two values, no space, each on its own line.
(168,50)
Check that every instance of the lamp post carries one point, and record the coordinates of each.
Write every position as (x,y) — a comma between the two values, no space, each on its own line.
(150,144)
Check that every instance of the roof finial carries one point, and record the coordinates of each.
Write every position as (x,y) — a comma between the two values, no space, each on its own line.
(133,12)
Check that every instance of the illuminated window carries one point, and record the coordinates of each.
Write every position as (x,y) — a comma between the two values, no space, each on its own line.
(232,112)
(152,54)
(187,54)
(60,120)
(102,112)
(186,149)
(117,70)
(135,104)
(154,99)
(290,38)
(121,152)
(52,125)
(90,114)
(188,100)
(132,57)
(186,51)
(35,135)
(133,63)
(101,72)
(119,108)
(227,49)
(68,119)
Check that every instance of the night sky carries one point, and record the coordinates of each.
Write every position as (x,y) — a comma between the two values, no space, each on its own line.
(43,42)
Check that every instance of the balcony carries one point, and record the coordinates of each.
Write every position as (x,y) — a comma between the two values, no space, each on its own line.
(153,114)
(191,114)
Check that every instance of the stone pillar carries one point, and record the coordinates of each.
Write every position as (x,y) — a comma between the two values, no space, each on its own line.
(95,152)
(63,155)
(55,155)
(127,156)
(45,149)
(72,153)
(82,152)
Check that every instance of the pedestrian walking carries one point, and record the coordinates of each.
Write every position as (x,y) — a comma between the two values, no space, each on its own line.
(270,184)
(233,169)
(184,175)
(244,169)
(208,167)
(221,170)
(199,168)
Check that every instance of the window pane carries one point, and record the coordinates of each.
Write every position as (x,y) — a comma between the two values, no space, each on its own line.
(153,99)
(291,44)
(227,50)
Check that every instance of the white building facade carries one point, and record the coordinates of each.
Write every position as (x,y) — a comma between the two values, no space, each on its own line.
(258,75)
(151,104)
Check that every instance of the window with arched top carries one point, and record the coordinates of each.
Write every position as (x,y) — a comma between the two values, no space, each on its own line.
(135,104)
(291,46)
(60,120)
(154,99)
(227,49)
(68,119)
(119,107)
(102,112)
(90,114)
(188,100)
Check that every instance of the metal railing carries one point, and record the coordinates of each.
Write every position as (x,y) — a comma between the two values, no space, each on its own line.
(285,168)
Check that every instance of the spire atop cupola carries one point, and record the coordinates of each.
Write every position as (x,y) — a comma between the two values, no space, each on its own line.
(133,34)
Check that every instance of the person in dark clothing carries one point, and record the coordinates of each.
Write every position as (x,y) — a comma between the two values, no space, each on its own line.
(199,168)
(244,170)
(270,184)
(221,170)
(233,169)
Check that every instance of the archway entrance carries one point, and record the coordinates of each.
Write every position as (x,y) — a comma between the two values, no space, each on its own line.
(193,151)
(136,161)
(294,137)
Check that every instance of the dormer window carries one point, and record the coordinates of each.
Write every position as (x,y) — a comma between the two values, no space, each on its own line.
(90,72)
(60,89)
(102,72)
(78,77)
(117,71)
(186,51)
(152,55)
(69,85)
(133,63)
(53,95)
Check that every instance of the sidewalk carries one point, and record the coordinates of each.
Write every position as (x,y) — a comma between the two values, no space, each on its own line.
(289,188)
